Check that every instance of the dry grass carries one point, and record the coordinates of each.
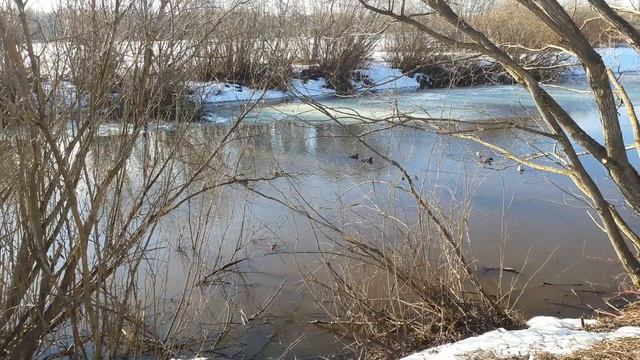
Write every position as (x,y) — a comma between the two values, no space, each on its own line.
(511,23)
(389,294)
(622,349)
(626,316)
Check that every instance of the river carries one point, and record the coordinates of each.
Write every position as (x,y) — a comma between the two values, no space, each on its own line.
(531,221)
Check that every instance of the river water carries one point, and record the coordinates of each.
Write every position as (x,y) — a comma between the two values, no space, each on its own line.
(533,222)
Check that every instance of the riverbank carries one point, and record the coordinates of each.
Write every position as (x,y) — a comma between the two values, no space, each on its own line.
(545,336)
(378,76)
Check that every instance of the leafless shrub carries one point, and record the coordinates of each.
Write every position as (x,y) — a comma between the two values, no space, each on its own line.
(392,284)
(409,50)
(89,184)
(512,23)
(250,48)
(390,300)
(337,38)
(414,52)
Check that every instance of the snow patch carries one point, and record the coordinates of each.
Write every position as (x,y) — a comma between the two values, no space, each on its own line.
(385,78)
(311,88)
(379,77)
(545,334)
(220,93)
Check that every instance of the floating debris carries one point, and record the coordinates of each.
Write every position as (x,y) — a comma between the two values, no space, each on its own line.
(505,269)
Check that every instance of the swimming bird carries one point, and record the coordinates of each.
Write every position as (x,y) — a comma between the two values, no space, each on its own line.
(483,159)
(520,169)
(355,156)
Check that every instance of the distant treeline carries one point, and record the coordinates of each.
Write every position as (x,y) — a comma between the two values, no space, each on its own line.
(264,44)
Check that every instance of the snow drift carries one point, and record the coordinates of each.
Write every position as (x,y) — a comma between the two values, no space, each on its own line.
(545,335)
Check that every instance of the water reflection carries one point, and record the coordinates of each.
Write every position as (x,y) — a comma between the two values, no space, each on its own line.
(527,220)
(538,241)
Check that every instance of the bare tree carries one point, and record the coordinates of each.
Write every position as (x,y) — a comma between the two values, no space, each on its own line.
(558,125)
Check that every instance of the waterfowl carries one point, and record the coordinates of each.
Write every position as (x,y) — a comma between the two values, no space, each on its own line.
(368,161)
(355,156)
(481,158)
(520,169)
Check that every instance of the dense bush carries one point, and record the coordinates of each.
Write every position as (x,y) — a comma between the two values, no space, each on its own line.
(249,49)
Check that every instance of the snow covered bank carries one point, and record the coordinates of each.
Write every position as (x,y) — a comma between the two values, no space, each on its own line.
(221,93)
(379,77)
(545,335)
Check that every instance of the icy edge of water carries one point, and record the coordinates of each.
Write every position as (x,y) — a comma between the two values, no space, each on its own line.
(380,76)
